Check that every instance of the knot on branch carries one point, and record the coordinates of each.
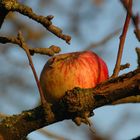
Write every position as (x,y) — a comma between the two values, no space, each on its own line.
(79,103)
(78,100)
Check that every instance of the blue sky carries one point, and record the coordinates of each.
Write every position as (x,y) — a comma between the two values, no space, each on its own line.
(110,17)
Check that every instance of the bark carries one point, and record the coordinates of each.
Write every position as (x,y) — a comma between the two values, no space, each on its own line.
(76,103)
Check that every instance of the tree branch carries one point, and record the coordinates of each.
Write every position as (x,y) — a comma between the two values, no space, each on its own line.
(12,5)
(135,19)
(46,51)
(74,104)
(105,93)
(122,41)
(26,49)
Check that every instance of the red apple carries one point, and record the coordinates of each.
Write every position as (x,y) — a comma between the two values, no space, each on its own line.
(65,71)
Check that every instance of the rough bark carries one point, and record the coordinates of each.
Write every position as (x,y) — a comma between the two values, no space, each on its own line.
(74,104)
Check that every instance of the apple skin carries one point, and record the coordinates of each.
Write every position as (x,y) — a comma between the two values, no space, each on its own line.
(65,71)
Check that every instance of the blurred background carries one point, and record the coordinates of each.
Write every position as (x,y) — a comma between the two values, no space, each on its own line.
(93,25)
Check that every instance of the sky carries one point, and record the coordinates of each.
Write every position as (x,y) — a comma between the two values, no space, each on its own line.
(110,17)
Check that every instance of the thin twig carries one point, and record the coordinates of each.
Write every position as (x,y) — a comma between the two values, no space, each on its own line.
(46,51)
(125,66)
(135,19)
(49,51)
(24,46)
(122,41)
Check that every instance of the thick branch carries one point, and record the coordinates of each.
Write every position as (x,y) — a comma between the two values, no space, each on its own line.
(104,94)
(73,104)
(17,127)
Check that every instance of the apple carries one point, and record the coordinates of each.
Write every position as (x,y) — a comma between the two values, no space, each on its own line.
(65,71)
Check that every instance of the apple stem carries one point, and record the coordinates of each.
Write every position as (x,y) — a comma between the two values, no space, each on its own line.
(122,41)
(26,49)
